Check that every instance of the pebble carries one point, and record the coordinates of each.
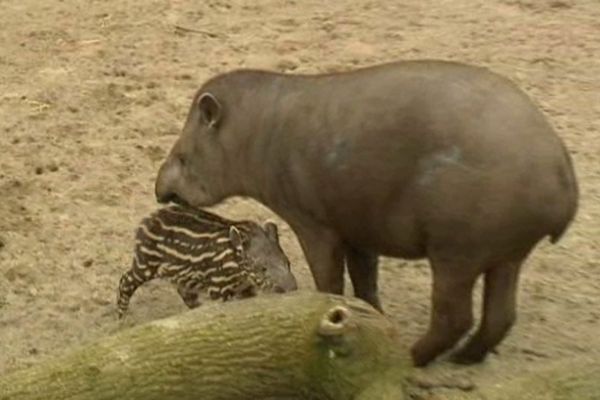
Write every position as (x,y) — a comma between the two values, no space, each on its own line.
(287,65)
(52,167)
(101,301)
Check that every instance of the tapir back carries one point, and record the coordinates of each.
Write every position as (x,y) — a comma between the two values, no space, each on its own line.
(397,156)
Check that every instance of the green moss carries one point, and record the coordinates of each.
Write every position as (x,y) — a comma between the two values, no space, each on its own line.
(257,348)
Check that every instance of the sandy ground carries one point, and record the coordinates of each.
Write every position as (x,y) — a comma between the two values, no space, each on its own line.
(94,93)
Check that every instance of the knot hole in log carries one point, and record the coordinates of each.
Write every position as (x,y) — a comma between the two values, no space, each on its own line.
(335,321)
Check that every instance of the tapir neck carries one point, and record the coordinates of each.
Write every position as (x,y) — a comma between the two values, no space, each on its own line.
(273,144)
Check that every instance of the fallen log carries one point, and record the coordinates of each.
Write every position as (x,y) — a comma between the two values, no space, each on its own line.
(297,346)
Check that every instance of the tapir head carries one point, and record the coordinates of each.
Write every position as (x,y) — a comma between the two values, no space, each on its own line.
(199,169)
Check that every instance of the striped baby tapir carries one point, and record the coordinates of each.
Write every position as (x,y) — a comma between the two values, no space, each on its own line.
(199,251)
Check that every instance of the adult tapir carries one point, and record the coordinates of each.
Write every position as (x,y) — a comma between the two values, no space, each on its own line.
(415,159)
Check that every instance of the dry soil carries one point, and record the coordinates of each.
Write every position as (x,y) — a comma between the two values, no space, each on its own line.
(93,94)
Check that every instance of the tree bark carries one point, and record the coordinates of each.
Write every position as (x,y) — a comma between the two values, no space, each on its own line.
(297,346)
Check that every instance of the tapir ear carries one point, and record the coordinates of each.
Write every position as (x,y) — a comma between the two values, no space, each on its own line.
(272,231)
(236,238)
(210,109)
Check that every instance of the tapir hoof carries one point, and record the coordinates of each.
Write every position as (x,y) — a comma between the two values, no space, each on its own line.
(421,355)
(467,358)
(472,353)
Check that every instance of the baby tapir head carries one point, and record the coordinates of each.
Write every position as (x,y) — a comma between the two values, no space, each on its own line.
(267,264)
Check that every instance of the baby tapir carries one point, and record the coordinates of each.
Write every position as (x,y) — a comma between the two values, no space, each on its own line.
(197,250)
(411,159)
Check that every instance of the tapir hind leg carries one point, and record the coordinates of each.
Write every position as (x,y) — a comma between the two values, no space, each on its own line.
(499,312)
(451,310)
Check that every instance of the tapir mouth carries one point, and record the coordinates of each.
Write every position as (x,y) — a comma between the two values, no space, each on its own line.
(172,198)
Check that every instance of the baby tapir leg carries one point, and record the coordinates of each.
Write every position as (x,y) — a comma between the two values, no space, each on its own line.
(189,297)
(129,283)
(127,286)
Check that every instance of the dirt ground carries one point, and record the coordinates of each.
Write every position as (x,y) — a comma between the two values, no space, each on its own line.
(94,93)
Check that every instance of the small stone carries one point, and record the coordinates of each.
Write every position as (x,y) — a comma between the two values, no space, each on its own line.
(88,263)
(287,65)
(101,301)
(74,307)
(2,243)
(11,275)
(39,170)
(53,167)
(560,4)
(33,351)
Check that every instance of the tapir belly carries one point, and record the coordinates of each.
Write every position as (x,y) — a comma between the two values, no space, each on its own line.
(445,200)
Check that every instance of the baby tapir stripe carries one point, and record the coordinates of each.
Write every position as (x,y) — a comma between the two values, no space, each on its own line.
(200,251)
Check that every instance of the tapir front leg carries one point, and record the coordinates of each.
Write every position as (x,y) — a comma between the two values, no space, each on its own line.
(324,253)
(363,271)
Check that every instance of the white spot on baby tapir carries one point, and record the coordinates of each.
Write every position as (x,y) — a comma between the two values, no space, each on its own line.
(186,257)
(230,265)
(220,257)
(137,262)
(430,165)
(164,269)
(224,279)
(149,252)
(150,234)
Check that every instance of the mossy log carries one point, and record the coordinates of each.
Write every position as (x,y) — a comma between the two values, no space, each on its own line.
(297,346)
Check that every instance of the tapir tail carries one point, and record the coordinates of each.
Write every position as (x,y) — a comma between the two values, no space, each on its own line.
(571,191)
